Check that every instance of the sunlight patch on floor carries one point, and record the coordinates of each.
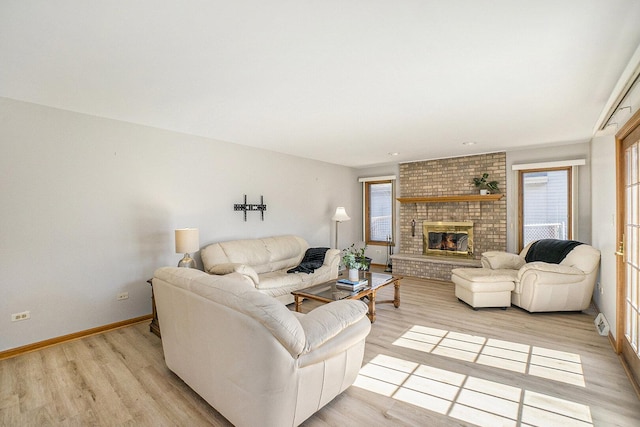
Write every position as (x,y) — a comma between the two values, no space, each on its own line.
(525,359)
(470,399)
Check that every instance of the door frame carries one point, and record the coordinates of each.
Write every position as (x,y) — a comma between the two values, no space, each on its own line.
(629,361)
(632,367)
(631,125)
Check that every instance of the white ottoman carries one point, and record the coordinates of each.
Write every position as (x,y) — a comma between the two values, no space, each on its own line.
(483,287)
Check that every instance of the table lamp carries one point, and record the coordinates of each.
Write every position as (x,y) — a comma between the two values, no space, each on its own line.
(187,241)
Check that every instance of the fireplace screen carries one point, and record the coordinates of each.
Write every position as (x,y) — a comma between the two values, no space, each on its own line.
(448,238)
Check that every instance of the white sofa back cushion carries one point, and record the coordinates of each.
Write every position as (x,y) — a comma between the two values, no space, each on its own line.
(264,255)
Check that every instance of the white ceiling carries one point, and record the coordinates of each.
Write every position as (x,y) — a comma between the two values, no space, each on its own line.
(345,82)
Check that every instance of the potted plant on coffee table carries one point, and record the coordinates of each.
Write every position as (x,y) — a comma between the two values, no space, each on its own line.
(354,260)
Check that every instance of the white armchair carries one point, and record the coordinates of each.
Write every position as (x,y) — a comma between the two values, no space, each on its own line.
(254,360)
(543,286)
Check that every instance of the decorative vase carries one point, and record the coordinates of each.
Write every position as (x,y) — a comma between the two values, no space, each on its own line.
(354,274)
(484,192)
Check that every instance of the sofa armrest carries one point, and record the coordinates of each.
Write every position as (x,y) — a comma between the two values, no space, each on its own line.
(330,256)
(243,269)
(551,273)
(332,329)
(498,260)
(328,320)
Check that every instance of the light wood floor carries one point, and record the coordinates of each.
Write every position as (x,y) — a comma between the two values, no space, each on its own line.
(119,377)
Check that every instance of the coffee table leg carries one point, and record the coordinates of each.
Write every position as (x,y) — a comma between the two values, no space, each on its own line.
(396,294)
(298,302)
(372,307)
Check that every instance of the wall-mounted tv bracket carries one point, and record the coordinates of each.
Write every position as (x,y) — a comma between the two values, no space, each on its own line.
(251,207)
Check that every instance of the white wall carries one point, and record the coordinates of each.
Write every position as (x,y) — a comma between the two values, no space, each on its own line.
(89,206)
(582,214)
(603,193)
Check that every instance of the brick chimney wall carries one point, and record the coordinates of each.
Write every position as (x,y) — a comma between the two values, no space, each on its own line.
(449,177)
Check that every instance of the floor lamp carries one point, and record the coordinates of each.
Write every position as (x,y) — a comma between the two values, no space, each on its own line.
(338,217)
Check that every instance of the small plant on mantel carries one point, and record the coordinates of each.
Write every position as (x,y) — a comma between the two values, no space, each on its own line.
(483,183)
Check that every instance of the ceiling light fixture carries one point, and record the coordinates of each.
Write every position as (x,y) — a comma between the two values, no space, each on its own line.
(393,154)
(469,143)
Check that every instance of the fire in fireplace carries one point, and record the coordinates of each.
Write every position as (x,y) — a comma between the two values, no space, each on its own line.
(448,238)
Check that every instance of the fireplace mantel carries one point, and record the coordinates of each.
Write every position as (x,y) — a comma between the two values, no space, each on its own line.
(448,199)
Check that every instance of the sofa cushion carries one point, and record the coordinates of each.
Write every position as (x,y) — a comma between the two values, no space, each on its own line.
(278,279)
(231,267)
(263,255)
(249,252)
(284,252)
(485,275)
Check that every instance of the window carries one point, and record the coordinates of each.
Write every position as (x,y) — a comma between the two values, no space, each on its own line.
(544,205)
(379,212)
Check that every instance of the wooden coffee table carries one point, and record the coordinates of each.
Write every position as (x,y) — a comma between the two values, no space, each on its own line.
(328,292)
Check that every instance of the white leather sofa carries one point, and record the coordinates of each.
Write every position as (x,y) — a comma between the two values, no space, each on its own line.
(266,261)
(535,286)
(254,360)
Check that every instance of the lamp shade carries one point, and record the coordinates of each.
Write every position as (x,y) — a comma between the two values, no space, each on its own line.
(187,240)
(340,215)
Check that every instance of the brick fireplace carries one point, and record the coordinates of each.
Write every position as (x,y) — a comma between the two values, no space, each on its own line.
(442,191)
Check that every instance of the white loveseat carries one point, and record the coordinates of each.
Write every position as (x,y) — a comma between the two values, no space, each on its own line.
(254,360)
(266,262)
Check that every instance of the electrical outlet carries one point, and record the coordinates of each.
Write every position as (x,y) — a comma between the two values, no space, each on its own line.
(16,317)
(122,295)
(600,288)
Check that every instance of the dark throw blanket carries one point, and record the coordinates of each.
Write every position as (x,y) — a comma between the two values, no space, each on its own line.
(550,250)
(313,258)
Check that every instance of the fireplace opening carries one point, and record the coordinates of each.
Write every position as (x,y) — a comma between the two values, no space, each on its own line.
(458,242)
(448,238)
